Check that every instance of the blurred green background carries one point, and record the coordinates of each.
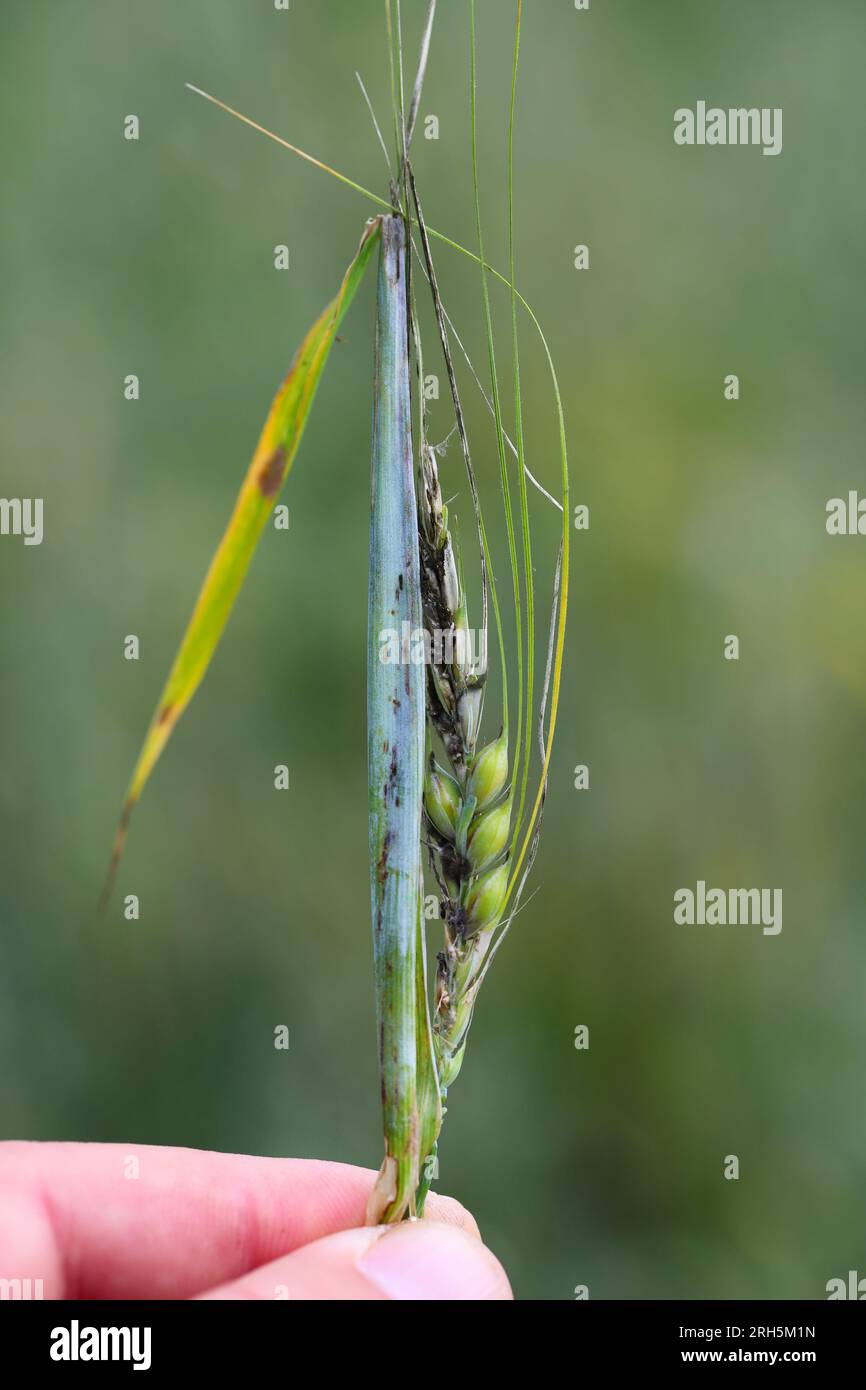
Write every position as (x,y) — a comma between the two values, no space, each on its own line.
(707,518)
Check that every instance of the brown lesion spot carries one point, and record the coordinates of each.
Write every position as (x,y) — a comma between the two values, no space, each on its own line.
(382,861)
(271,473)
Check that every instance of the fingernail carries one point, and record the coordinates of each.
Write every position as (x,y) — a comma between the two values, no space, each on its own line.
(428,1260)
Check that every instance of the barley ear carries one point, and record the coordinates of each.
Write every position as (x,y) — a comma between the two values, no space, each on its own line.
(395,731)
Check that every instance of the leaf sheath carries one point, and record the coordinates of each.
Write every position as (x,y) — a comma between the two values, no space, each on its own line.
(395,731)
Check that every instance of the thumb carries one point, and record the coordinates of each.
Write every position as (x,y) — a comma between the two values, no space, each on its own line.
(415,1260)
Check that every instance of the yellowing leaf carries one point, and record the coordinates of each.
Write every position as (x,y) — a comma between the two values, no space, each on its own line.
(273,457)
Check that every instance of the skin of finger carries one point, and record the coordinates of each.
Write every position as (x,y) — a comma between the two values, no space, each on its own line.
(139,1221)
(324,1270)
(413,1260)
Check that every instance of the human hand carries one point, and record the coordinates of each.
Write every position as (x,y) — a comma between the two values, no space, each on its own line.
(133,1221)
